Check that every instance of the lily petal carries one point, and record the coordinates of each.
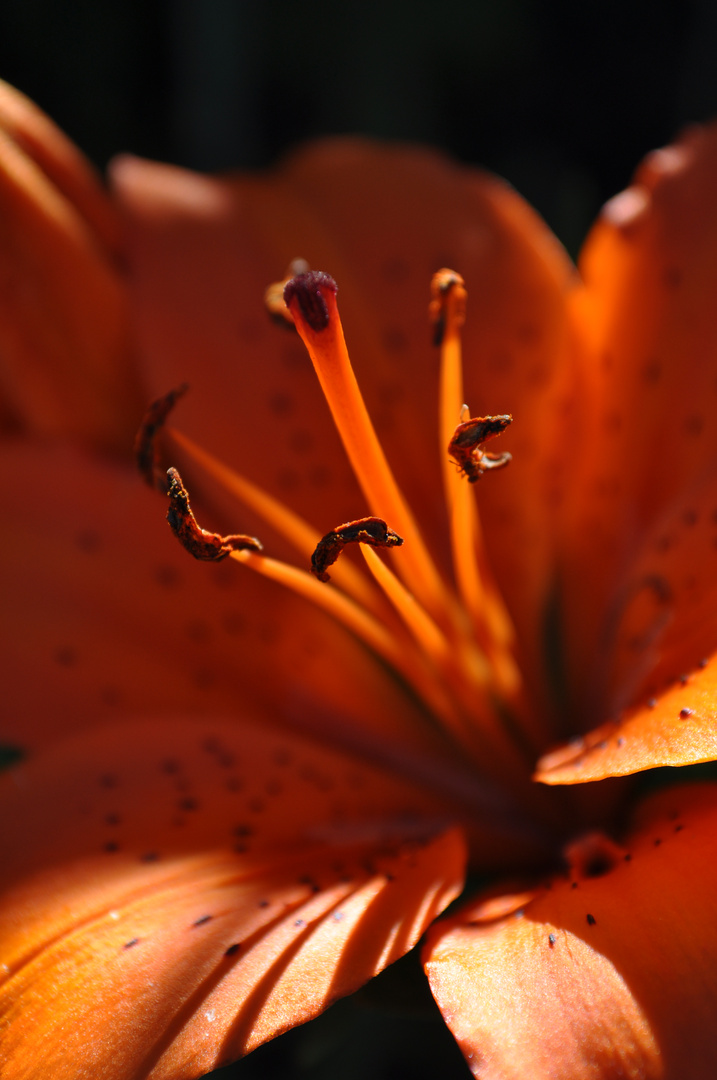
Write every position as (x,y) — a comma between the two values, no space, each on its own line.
(175,893)
(66,362)
(202,250)
(641,510)
(676,727)
(596,976)
(105,616)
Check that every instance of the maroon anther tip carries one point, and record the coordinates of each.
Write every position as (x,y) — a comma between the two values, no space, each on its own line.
(307,290)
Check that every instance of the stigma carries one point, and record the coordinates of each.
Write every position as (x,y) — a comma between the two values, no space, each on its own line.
(450,641)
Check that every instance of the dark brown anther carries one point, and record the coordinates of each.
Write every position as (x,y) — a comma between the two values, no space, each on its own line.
(274,303)
(369,530)
(444,284)
(466,445)
(146,450)
(207,546)
(306,291)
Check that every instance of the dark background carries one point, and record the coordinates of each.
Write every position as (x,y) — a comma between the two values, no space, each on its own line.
(561,97)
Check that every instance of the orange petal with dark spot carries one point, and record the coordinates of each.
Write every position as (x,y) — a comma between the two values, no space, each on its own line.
(67,360)
(643,493)
(678,726)
(202,251)
(175,894)
(603,976)
(105,616)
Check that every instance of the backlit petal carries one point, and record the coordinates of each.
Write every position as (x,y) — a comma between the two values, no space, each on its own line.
(678,726)
(644,490)
(202,250)
(66,363)
(176,893)
(597,976)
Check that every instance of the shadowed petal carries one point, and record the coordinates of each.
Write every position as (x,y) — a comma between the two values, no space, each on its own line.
(66,363)
(644,493)
(678,726)
(202,251)
(599,976)
(104,615)
(178,892)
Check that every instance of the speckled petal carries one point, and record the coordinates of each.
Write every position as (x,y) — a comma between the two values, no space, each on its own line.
(607,972)
(104,616)
(175,893)
(381,219)
(676,726)
(639,558)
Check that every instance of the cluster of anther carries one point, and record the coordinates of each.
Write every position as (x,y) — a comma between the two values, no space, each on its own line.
(465,448)
(207,546)
(369,530)
(307,289)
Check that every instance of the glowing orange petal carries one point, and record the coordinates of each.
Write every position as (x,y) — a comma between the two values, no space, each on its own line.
(202,250)
(678,726)
(603,976)
(67,365)
(644,490)
(104,616)
(176,893)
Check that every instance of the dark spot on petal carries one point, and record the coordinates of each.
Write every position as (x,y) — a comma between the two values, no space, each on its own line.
(652,372)
(66,656)
(679,828)
(234,784)
(201,921)
(109,780)
(282,404)
(551,940)
(131,943)
(690,517)
(264,903)
(167,576)
(149,856)
(299,922)
(233,949)
(110,847)
(672,277)
(112,819)
(657,841)
(590,919)
(574,885)
(170,766)
(694,424)
(652,703)
(684,713)
(628,857)
(88,541)
(684,679)
(188,803)
(703,662)
(620,741)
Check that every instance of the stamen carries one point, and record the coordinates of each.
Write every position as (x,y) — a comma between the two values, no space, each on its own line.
(274,295)
(369,530)
(492,626)
(146,450)
(465,446)
(207,546)
(397,651)
(296,530)
(311,299)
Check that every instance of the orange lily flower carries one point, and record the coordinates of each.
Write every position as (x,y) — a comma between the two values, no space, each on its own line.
(246,790)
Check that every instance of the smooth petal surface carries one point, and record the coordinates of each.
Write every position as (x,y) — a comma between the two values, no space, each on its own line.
(177,892)
(641,512)
(598,976)
(675,727)
(66,359)
(381,220)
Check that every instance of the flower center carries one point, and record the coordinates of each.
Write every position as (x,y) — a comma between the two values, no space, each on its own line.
(450,641)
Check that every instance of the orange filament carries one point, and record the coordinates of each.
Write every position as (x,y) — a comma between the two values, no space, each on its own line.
(302,536)
(454,651)
(398,653)
(482,601)
(325,343)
